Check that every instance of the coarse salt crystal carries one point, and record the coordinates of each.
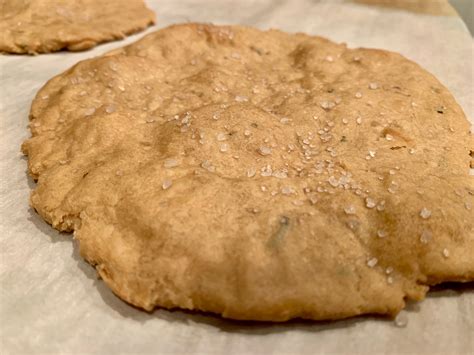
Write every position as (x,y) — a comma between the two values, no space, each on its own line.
(280,174)
(333,181)
(266,171)
(166,184)
(425,236)
(240,98)
(170,163)
(287,190)
(401,320)
(370,203)
(221,137)
(206,164)
(224,147)
(110,108)
(263,150)
(350,209)
(372,262)
(393,188)
(327,105)
(425,213)
(89,112)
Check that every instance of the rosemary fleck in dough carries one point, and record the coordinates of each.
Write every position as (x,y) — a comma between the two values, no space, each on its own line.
(43,26)
(257,175)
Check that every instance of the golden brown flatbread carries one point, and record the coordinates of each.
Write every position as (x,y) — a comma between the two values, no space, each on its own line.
(257,174)
(43,26)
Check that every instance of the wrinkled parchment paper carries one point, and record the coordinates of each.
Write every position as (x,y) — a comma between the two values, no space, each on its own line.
(51,300)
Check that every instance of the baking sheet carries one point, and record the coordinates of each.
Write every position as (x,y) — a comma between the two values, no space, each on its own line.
(51,300)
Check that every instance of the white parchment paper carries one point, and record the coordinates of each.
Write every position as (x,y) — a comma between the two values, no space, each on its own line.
(51,300)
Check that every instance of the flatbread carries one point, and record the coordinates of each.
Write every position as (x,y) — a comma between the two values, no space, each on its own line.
(43,26)
(256,174)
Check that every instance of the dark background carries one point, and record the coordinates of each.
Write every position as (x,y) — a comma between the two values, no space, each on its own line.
(465,8)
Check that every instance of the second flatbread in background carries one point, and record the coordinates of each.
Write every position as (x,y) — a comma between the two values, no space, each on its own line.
(43,26)
(257,174)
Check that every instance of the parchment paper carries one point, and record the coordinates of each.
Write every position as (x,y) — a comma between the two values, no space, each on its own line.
(51,300)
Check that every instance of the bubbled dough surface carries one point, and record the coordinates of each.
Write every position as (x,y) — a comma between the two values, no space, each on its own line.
(43,26)
(214,240)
